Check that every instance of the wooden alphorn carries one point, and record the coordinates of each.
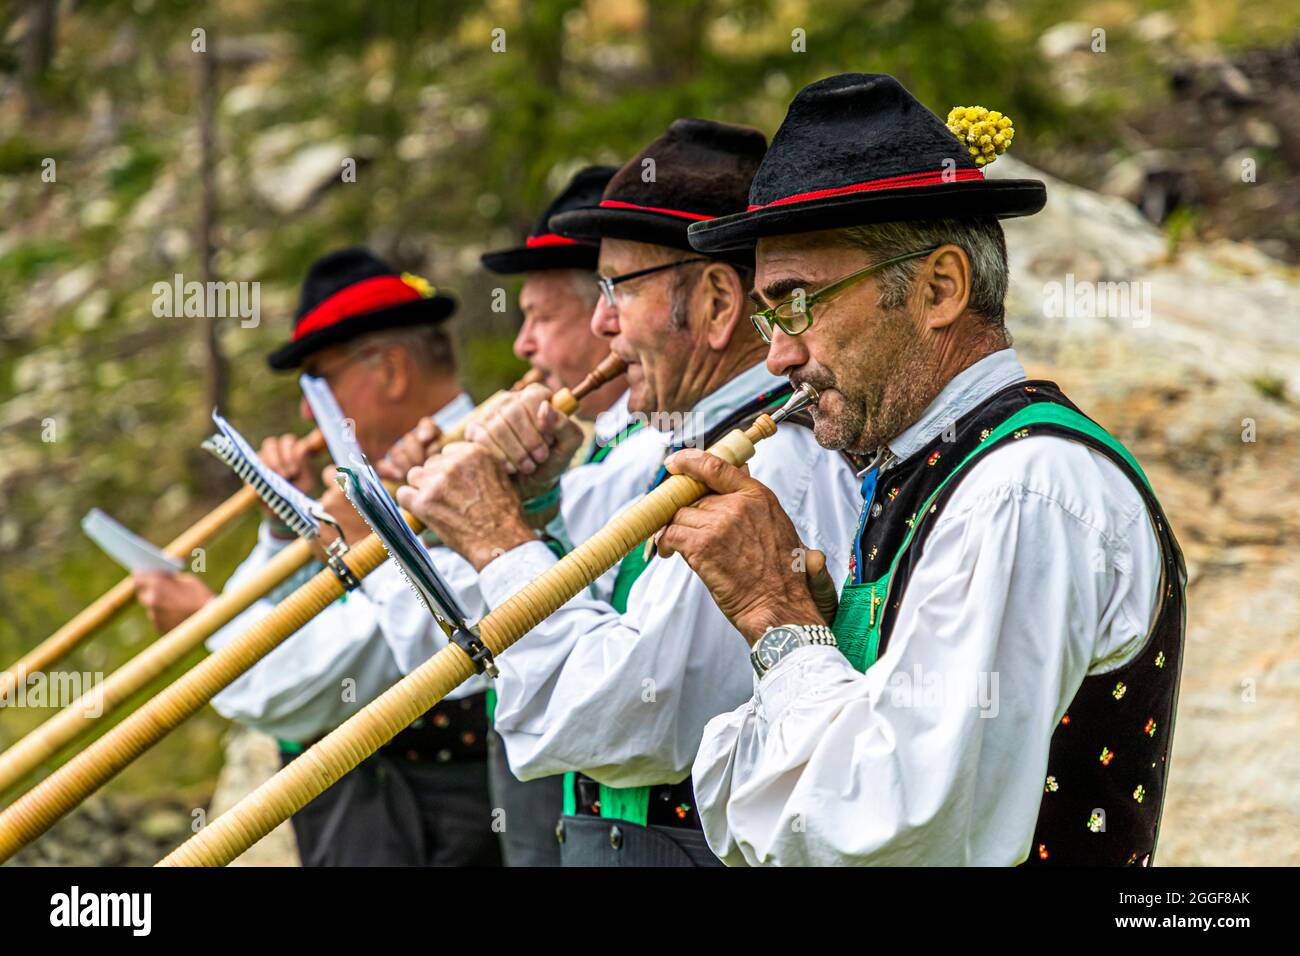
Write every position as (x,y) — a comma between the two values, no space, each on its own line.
(108,605)
(79,717)
(83,715)
(40,808)
(374,725)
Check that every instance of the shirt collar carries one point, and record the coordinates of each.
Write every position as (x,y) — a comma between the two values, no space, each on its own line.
(454,412)
(612,420)
(967,389)
(718,404)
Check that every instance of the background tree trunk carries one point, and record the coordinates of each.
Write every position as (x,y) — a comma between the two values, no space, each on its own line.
(38,51)
(215,361)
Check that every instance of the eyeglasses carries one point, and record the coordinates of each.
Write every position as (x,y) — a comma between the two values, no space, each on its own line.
(607,283)
(794,315)
(350,358)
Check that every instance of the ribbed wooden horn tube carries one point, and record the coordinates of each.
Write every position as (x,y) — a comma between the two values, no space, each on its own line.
(108,605)
(379,721)
(112,602)
(37,810)
(80,717)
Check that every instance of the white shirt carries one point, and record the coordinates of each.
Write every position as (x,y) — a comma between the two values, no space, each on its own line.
(612,420)
(1042,568)
(625,697)
(297,692)
(591,494)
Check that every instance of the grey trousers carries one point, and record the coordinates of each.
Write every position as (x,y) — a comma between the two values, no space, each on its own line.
(593,841)
(532,810)
(391,811)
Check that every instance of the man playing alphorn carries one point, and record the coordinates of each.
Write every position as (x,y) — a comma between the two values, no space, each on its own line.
(1009,640)
(558,295)
(615,688)
(376,337)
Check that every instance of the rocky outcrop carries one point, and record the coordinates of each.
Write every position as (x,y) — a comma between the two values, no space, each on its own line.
(251,760)
(112,830)
(1199,376)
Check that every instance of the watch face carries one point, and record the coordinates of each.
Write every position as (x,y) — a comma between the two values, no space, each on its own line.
(774,645)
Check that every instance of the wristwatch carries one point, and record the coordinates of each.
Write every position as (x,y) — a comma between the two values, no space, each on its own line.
(777,642)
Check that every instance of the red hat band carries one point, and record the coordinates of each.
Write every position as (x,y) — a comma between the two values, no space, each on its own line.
(619,204)
(889,182)
(368,295)
(548,239)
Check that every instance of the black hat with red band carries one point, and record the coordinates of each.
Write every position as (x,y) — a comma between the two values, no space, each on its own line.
(857,149)
(544,249)
(350,293)
(697,171)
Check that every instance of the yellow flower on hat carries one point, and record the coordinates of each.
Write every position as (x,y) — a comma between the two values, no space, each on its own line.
(986,134)
(420,284)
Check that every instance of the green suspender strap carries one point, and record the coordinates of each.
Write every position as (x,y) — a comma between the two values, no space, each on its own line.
(633,803)
(617,803)
(857,621)
(629,569)
(600,452)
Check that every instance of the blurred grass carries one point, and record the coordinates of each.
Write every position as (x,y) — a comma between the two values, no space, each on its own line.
(191,754)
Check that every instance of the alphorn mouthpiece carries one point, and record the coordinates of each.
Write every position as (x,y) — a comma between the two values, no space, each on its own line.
(566,400)
(804,396)
(764,426)
(610,368)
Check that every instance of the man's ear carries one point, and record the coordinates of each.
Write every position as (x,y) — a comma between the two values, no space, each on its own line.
(945,287)
(724,303)
(397,365)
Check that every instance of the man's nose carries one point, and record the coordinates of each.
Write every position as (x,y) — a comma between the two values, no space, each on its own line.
(786,353)
(304,409)
(525,347)
(604,320)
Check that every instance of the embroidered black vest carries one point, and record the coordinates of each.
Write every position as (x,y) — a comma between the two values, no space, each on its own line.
(1108,760)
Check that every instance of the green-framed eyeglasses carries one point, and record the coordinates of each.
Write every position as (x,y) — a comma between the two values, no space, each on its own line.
(794,316)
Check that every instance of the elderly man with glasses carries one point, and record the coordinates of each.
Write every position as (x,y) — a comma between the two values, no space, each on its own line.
(615,688)
(559,291)
(1002,681)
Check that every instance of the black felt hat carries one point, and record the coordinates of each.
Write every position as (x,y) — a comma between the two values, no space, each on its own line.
(697,171)
(351,293)
(544,249)
(857,149)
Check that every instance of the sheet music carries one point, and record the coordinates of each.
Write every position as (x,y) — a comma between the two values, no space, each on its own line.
(290,504)
(125,547)
(368,495)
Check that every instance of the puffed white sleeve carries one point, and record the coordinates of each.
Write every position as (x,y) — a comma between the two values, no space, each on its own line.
(315,679)
(624,697)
